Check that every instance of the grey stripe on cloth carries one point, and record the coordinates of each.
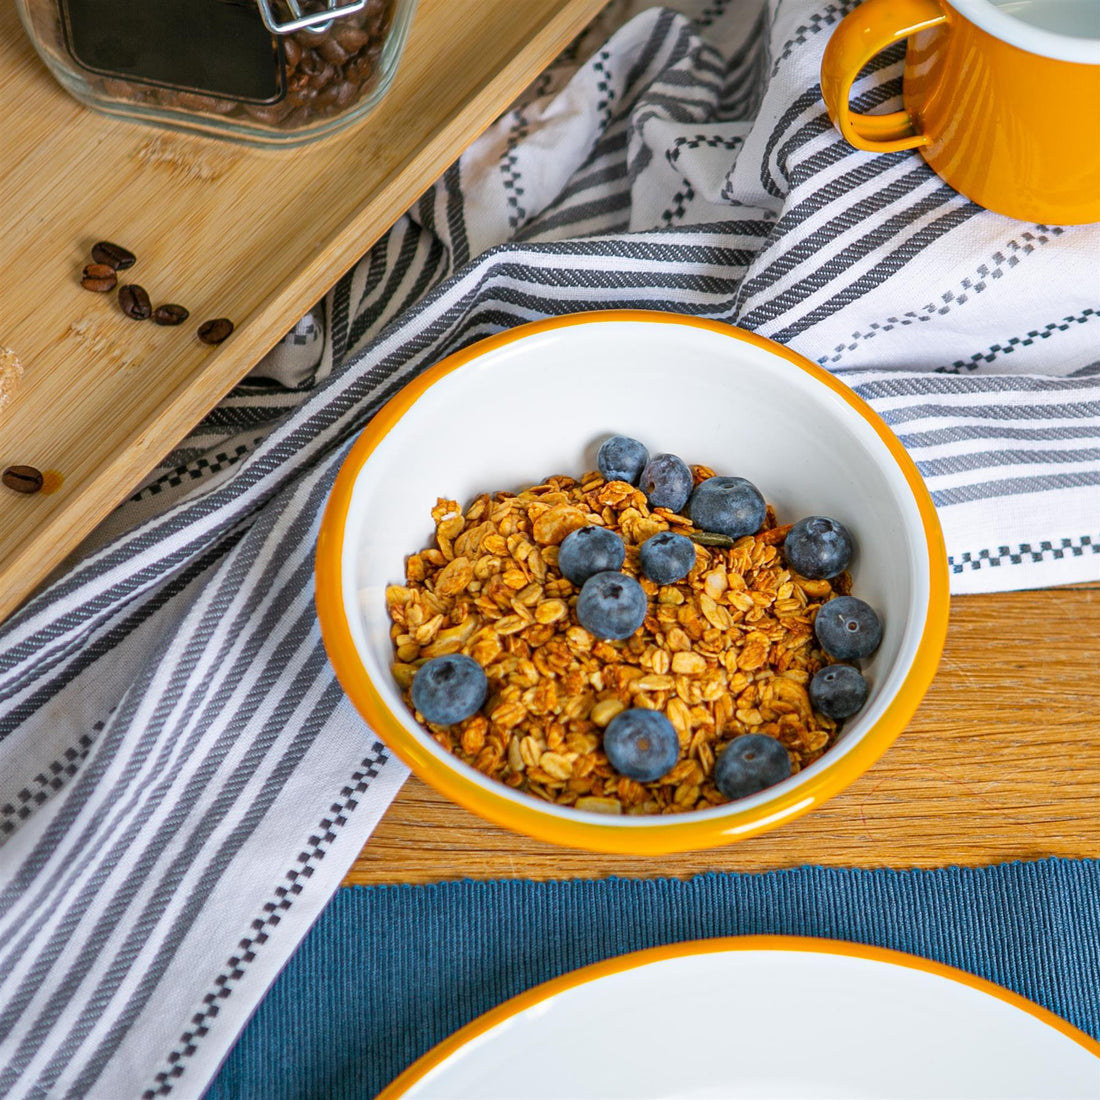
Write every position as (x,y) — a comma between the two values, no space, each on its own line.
(187,731)
(990,460)
(456,226)
(1014,486)
(959,433)
(928,410)
(927,385)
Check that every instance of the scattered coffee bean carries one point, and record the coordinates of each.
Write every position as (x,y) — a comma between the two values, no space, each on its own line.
(99,277)
(170,314)
(135,302)
(214,332)
(23,479)
(113,255)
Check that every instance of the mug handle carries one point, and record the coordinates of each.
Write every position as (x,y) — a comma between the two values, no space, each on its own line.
(862,33)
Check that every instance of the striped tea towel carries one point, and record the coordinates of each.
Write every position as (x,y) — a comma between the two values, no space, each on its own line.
(183,784)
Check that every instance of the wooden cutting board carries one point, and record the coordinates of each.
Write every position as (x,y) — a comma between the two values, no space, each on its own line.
(250,234)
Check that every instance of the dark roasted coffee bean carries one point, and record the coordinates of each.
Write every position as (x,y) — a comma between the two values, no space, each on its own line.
(170,314)
(135,302)
(311,62)
(325,76)
(207,103)
(352,38)
(333,52)
(293,52)
(99,277)
(113,255)
(271,115)
(23,479)
(214,332)
(303,116)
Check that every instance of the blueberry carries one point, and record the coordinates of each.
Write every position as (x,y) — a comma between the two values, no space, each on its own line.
(818,547)
(847,628)
(667,557)
(666,482)
(448,689)
(590,550)
(750,763)
(838,691)
(728,506)
(641,744)
(621,458)
(611,605)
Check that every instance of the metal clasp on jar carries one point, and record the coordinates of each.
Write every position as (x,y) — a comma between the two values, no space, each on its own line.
(317,21)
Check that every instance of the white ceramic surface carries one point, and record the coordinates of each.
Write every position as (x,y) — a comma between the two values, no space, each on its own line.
(768,1024)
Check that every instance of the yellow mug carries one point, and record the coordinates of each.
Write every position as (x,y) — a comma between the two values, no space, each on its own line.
(1002,98)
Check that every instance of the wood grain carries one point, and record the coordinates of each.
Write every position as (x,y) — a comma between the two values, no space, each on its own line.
(252,234)
(1001,761)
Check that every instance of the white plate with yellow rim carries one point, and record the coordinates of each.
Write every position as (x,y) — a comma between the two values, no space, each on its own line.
(761,1017)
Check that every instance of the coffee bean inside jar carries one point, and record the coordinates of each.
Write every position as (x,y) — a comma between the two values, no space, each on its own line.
(328,71)
(230,69)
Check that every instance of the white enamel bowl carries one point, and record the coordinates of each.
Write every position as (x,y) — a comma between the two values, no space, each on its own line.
(537,400)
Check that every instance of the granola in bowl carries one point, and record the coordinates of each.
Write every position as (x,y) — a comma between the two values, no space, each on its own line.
(728,650)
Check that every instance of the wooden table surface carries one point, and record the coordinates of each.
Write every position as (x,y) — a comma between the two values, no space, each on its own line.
(1001,762)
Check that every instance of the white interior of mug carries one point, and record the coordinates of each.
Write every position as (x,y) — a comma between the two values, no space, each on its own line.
(1067,30)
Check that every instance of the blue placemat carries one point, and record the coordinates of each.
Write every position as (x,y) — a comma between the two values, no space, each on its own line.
(389,971)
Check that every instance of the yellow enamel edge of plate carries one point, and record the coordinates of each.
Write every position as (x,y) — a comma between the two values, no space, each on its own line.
(513,1007)
(674,834)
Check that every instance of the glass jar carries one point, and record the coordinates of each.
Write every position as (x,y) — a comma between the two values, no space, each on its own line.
(269,72)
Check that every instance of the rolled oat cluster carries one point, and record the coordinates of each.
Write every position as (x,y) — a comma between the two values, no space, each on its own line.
(728,650)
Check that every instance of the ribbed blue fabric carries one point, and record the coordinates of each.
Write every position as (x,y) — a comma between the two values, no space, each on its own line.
(389,971)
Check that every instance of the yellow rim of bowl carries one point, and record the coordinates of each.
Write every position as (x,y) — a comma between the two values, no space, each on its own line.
(515,1005)
(675,833)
